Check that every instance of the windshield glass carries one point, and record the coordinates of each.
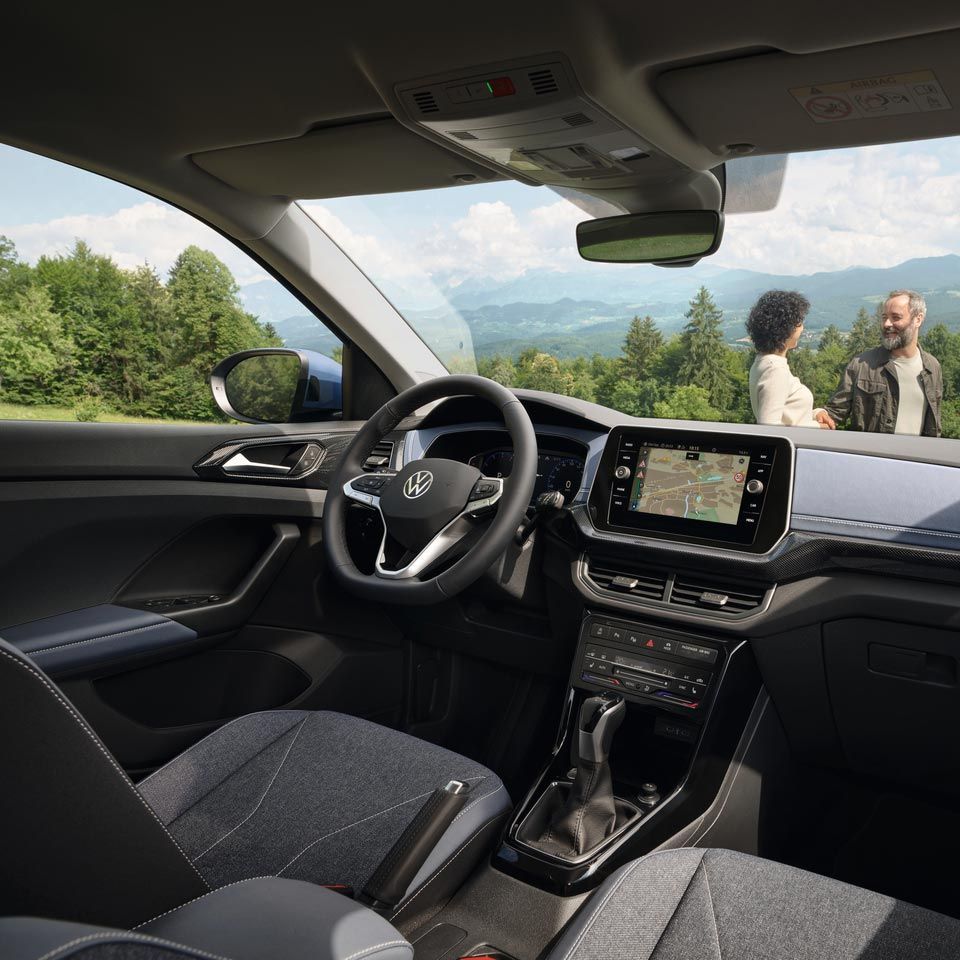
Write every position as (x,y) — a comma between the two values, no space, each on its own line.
(490,278)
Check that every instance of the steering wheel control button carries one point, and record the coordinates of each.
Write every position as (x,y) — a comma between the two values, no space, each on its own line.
(754,486)
(622,472)
(483,489)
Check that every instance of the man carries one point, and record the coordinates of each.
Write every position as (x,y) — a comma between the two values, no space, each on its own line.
(896,388)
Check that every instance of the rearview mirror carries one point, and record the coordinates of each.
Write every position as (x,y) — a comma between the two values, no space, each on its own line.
(677,236)
(278,385)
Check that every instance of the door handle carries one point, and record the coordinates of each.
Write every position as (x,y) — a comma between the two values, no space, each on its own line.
(239,463)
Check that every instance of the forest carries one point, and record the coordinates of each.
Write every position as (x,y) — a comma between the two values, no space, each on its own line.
(102,342)
(696,375)
(78,331)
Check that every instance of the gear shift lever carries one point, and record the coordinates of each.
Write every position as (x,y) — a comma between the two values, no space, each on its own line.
(589,814)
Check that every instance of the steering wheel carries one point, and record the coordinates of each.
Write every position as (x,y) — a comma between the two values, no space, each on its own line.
(431,505)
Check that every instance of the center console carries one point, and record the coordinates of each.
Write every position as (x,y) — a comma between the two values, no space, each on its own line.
(685,699)
(654,713)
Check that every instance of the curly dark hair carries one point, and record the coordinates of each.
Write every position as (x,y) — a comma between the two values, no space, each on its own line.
(774,317)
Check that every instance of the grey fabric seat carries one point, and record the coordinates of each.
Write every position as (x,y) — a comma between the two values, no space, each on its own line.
(713,904)
(313,796)
(310,796)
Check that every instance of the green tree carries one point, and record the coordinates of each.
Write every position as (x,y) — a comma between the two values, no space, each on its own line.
(704,351)
(831,337)
(209,323)
(15,276)
(89,293)
(640,347)
(688,402)
(537,370)
(864,334)
(35,354)
(498,368)
(638,398)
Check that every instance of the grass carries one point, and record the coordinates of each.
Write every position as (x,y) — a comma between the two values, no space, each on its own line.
(50,411)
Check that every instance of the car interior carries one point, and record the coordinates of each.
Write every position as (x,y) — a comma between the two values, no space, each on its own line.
(404,672)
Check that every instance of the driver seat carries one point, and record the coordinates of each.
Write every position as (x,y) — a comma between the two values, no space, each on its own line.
(313,796)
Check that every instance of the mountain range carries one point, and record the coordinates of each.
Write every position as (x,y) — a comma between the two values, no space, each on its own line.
(588,311)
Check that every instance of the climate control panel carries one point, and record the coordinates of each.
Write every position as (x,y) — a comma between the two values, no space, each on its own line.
(646,665)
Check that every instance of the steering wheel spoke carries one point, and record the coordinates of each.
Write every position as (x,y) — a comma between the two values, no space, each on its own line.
(367,488)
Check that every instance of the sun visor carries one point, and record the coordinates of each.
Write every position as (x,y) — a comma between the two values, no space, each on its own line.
(376,156)
(907,89)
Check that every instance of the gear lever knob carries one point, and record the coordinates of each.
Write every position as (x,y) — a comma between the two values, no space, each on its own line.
(600,718)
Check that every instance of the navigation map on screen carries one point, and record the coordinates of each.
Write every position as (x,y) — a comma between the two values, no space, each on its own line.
(689,485)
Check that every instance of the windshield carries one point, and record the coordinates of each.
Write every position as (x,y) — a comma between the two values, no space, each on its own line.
(489,276)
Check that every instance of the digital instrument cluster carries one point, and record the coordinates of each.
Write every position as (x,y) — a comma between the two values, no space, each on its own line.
(555,471)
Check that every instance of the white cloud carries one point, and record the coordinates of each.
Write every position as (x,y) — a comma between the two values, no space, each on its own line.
(877,206)
(148,232)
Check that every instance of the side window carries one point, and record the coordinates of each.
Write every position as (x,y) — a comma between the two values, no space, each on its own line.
(115,306)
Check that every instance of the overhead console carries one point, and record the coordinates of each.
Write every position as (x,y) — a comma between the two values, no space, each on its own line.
(715,489)
(531,120)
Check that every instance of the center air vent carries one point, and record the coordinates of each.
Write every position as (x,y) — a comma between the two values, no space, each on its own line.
(716,596)
(426,102)
(381,456)
(543,81)
(628,580)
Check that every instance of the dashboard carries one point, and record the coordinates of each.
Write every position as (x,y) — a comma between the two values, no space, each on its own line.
(555,470)
(563,464)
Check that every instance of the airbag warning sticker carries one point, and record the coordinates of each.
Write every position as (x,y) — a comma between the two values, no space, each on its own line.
(918,92)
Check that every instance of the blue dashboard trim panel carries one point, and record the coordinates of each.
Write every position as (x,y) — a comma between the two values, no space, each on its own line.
(871,498)
(93,636)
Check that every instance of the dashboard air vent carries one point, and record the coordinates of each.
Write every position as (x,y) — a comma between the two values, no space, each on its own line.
(463,135)
(633,581)
(426,102)
(576,119)
(543,81)
(381,456)
(716,596)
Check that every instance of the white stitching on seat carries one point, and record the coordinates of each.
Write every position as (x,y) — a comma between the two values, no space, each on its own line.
(59,698)
(126,937)
(107,636)
(214,733)
(356,823)
(167,913)
(263,797)
(713,912)
(380,946)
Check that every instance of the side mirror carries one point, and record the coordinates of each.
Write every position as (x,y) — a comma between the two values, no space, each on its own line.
(682,235)
(278,385)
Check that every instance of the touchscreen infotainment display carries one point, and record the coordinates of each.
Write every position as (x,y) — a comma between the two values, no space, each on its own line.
(689,485)
(695,486)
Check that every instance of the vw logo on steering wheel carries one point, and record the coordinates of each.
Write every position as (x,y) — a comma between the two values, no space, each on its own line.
(417,484)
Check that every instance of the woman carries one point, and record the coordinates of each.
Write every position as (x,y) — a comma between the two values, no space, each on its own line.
(776,395)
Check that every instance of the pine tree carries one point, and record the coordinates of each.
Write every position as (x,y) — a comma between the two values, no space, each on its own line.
(640,347)
(703,357)
(864,334)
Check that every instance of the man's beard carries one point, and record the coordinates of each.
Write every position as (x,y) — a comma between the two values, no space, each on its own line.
(897,341)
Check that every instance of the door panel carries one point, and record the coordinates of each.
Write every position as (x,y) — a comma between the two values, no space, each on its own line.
(117,515)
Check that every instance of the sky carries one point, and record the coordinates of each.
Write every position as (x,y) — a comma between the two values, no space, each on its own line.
(873,206)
